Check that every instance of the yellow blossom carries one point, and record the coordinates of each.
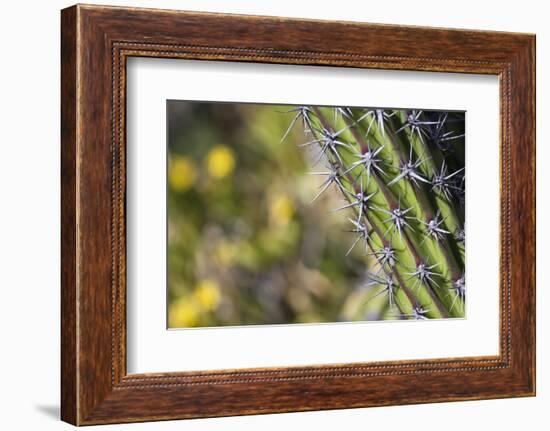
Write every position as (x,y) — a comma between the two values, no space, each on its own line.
(207,294)
(182,173)
(220,161)
(183,314)
(281,209)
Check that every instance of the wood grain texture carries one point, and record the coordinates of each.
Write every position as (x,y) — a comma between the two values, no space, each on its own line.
(96,41)
(68,218)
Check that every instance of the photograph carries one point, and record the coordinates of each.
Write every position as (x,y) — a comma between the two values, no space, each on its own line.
(286,214)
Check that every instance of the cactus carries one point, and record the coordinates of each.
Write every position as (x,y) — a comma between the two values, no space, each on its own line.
(401,176)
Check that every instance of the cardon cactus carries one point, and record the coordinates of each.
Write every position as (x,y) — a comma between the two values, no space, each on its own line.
(401,176)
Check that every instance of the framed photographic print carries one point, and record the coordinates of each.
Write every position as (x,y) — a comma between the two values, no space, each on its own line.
(260,217)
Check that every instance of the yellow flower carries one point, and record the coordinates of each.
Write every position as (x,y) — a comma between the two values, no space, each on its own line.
(281,209)
(183,314)
(220,161)
(182,173)
(207,294)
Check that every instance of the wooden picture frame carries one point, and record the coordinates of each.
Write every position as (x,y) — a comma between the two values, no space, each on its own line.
(95,43)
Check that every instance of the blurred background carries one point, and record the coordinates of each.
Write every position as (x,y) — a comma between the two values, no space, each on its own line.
(245,243)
